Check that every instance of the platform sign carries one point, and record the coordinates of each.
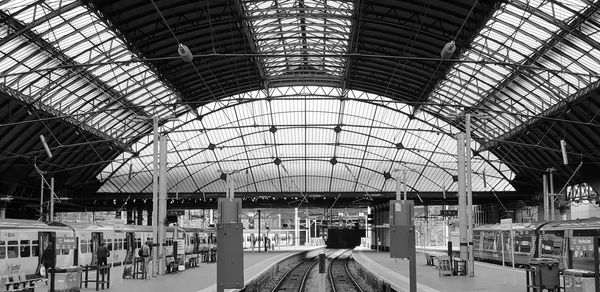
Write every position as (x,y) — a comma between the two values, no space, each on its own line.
(402,241)
(66,243)
(449,213)
(506,224)
(230,262)
(180,247)
(401,212)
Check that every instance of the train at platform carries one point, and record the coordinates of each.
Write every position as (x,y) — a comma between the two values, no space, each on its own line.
(22,243)
(569,241)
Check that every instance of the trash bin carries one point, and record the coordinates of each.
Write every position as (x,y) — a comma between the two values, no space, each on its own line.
(460,266)
(579,280)
(544,273)
(444,266)
(67,279)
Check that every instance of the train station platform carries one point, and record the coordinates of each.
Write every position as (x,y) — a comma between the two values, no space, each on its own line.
(202,278)
(395,272)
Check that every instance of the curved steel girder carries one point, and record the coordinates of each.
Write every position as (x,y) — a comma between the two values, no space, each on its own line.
(341,146)
(359,100)
(47,46)
(284,176)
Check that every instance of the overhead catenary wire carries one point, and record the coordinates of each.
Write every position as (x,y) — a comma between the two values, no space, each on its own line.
(347,55)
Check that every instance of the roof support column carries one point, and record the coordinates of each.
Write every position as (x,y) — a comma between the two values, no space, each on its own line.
(296,230)
(546,201)
(155,197)
(462,197)
(162,203)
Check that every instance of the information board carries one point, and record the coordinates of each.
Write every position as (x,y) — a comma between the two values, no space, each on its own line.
(66,243)
(449,213)
(506,224)
(180,247)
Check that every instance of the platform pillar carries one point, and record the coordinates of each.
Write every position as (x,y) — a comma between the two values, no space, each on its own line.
(162,205)
(462,197)
(307,240)
(153,216)
(546,201)
(140,216)
(259,236)
(51,216)
(149,217)
(130,219)
(296,230)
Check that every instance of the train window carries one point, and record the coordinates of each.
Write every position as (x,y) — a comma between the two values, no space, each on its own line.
(489,240)
(64,251)
(13,249)
(121,244)
(138,242)
(586,232)
(522,241)
(552,242)
(2,249)
(109,244)
(35,249)
(25,249)
(125,244)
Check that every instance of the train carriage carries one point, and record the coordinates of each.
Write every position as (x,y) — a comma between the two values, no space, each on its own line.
(22,243)
(490,242)
(570,242)
(90,236)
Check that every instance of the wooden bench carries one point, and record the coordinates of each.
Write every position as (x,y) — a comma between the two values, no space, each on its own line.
(19,282)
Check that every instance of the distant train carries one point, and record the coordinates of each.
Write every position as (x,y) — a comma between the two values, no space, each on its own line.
(570,242)
(22,243)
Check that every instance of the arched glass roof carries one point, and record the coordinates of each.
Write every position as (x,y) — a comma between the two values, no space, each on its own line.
(305,139)
(58,55)
(89,64)
(530,57)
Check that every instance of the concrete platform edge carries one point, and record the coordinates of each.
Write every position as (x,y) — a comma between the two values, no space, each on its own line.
(254,284)
(386,281)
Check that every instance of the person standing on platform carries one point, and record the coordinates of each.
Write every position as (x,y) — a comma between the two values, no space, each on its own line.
(103,255)
(145,254)
(48,259)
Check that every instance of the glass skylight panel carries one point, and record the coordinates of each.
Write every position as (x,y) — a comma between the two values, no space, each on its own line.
(514,35)
(82,36)
(301,34)
(375,154)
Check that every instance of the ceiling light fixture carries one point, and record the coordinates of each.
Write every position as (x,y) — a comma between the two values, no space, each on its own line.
(43,139)
(448,50)
(185,53)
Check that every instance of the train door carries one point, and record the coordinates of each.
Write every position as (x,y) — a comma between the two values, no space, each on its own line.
(129,247)
(196,242)
(46,239)
(96,241)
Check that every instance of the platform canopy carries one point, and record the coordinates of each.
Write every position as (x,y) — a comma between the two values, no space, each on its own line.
(304,96)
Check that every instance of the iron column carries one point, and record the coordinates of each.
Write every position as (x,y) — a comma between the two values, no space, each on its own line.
(462,200)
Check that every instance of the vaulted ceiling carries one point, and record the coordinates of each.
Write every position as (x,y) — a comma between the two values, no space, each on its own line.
(299,97)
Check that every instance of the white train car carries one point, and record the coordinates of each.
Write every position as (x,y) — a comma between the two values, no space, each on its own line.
(277,237)
(22,243)
(197,241)
(91,235)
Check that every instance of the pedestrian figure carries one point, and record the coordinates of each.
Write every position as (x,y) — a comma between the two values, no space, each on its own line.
(103,253)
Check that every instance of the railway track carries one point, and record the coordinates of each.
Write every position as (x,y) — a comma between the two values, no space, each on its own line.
(295,278)
(340,277)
